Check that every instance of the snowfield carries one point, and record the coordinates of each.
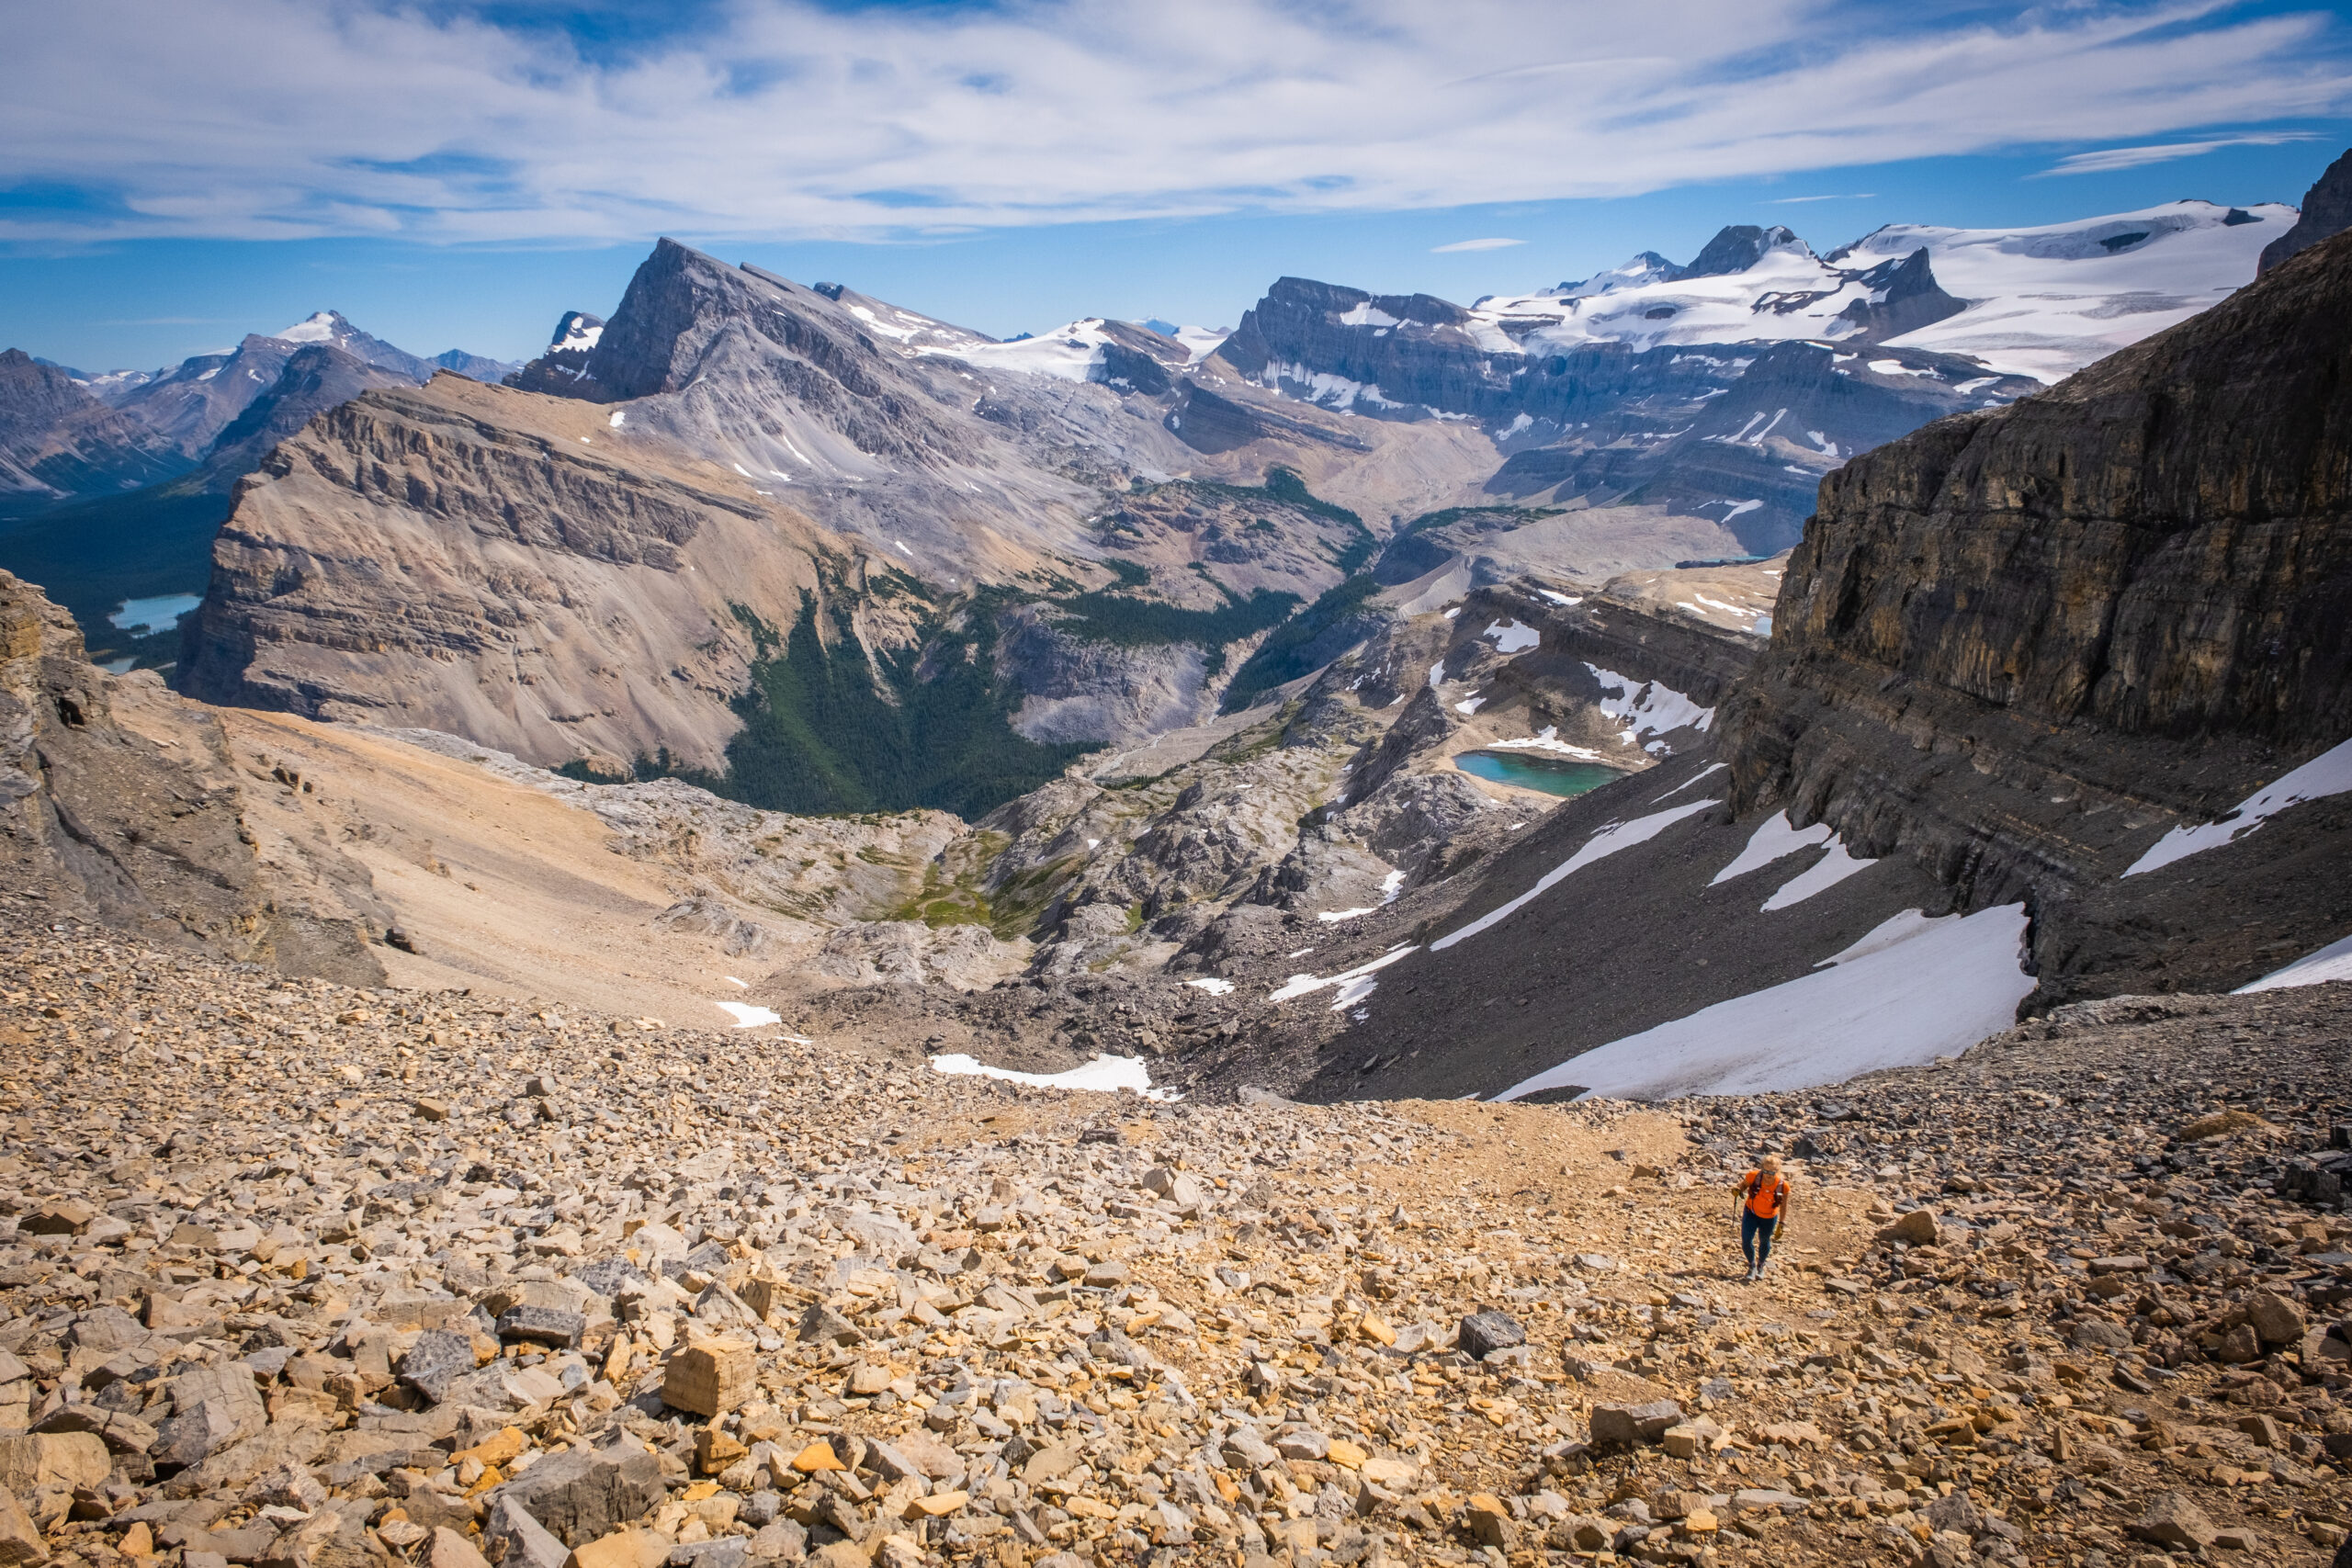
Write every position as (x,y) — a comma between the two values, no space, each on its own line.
(2041,301)
(1916,990)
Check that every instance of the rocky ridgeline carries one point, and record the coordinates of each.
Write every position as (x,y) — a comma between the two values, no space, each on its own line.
(300,1276)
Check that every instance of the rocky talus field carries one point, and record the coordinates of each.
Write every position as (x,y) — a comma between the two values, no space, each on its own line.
(304,1276)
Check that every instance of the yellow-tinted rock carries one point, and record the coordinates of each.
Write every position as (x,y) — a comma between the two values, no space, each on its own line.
(936,1505)
(626,1548)
(817,1457)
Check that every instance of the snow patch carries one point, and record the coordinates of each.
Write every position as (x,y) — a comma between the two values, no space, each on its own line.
(1105,1074)
(2328,773)
(1937,991)
(748,1015)
(317,328)
(1352,985)
(1647,708)
(1694,778)
(1827,872)
(1390,886)
(1212,985)
(1773,839)
(1511,637)
(1603,844)
(1548,740)
(1884,935)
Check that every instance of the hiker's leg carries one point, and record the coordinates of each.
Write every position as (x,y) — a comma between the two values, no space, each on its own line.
(1764,1229)
(1747,1227)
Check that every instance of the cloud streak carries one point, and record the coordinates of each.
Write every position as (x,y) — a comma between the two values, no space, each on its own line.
(778,118)
(2114,158)
(1493,244)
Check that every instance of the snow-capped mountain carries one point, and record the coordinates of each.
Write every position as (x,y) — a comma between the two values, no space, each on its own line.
(330,327)
(2038,301)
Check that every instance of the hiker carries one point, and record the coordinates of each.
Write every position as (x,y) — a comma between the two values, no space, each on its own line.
(1764,1208)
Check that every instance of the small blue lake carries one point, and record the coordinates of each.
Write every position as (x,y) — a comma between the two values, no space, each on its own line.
(1553,775)
(143,618)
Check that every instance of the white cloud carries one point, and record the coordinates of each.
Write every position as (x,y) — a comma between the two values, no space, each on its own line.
(1794,200)
(1497,244)
(2115,158)
(788,119)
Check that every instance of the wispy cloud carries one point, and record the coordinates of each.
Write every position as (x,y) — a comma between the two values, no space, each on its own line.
(1496,245)
(2113,158)
(164,321)
(469,120)
(1795,200)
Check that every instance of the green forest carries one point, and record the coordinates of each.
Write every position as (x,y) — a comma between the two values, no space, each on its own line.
(819,737)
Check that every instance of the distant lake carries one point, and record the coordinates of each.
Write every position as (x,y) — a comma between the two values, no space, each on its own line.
(142,617)
(1552,776)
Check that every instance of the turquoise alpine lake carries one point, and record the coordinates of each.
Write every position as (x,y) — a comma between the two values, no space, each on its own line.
(1552,776)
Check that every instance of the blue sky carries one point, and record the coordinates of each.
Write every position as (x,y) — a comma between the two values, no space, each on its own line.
(454,176)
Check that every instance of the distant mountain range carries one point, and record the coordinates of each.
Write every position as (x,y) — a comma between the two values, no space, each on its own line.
(1650,414)
(214,412)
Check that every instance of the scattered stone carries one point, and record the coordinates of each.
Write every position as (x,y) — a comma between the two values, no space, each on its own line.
(1483,1333)
(2170,1519)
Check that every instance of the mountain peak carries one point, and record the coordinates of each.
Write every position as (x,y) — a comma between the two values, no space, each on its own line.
(1646,266)
(320,326)
(1739,247)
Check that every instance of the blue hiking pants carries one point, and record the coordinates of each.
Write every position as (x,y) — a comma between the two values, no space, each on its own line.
(1756,1237)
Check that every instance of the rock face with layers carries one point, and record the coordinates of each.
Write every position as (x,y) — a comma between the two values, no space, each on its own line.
(2016,642)
(499,564)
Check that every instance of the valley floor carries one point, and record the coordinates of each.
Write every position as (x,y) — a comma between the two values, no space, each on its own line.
(297,1274)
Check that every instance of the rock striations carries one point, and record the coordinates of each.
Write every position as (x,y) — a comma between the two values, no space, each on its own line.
(2012,642)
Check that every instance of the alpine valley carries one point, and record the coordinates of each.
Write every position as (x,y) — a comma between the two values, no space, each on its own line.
(1169,694)
(790,934)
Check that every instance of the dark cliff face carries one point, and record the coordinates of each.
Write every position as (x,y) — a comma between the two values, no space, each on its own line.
(2021,644)
(1419,355)
(2327,211)
(1909,299)
(1735,248)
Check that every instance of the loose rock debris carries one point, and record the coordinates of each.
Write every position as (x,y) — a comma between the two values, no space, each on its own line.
(296,1276)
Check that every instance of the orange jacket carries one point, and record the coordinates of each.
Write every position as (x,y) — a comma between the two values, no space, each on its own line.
(1766,1201)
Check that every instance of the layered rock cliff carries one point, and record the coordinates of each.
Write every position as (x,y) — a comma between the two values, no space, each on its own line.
(498,565)
(2020,645)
